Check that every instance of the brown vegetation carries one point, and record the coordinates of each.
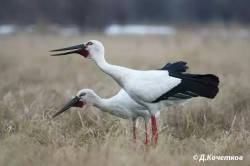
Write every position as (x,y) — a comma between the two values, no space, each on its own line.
(34,86)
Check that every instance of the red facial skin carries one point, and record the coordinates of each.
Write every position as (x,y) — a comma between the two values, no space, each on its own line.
(80,104)
(84,53)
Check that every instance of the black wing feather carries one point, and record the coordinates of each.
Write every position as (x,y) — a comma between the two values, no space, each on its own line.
(192,85)
(178,67)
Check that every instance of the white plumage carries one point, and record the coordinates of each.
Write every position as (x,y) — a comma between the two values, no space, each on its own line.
(153,89)
(120,105)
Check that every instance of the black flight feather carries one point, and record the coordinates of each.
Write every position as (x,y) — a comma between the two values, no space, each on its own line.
(192,85)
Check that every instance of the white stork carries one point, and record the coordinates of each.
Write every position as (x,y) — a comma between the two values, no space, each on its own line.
(153,89)
(120,105)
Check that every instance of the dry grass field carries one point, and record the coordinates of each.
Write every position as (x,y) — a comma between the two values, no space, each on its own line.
(34,86)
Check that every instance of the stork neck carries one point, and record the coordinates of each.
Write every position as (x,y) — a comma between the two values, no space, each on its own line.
(116,72)
(102,104)
(104,66)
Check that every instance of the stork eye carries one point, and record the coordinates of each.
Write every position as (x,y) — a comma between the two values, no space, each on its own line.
(89,43)
(82,94)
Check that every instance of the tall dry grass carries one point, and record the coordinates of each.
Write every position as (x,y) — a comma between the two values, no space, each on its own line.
(34,86)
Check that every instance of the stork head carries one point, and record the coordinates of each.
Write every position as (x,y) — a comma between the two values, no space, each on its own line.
(87,96)
(91,50)
(84,98)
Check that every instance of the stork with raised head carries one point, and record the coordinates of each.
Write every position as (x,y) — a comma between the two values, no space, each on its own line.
(120,105)
(154,89)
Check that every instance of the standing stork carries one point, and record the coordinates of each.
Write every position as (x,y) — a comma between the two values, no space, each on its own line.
(120,105)
(153,89)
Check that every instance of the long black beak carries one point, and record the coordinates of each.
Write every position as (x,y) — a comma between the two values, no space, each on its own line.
(71,103)
(74,49)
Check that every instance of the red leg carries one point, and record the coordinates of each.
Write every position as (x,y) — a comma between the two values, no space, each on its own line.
(154,131)
(146,134)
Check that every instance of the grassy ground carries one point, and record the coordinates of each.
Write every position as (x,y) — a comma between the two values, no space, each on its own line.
(34,86)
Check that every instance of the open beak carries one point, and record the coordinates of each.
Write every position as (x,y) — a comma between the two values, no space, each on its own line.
(72,103)
(78,49)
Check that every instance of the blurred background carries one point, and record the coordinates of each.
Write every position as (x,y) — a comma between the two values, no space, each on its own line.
(117,16)
(212,36)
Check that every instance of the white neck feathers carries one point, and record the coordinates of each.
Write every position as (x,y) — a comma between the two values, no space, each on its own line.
(116,72)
